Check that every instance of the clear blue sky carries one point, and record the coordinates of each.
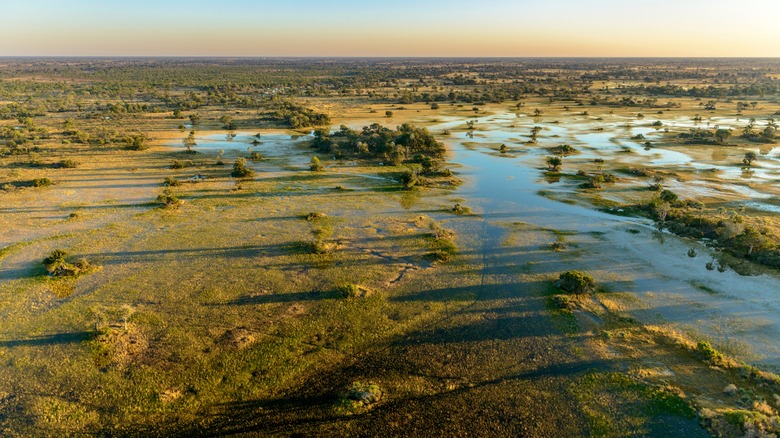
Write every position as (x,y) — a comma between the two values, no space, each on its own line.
(391,28)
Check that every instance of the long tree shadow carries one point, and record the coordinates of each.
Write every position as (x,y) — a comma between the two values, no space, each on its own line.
(46,340)
(282,298)
(312,411)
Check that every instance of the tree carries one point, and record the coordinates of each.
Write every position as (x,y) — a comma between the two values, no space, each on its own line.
(721,135)
(315,165)
(596,181)
(554,163)
(749,158)
(768,134)
(227,122)
(576,282)
(136,142)
(668,196)
(189,142)
(388,114)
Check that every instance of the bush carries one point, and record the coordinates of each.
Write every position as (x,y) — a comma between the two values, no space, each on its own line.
(360,397)
(57,265)
(668,196)
(705,350)
(240,170)
(409,179)
(562,302)
(576,282)
(350,290)
(56,256)
(168,200)
(315,215)
(41,182)
(67,164)
(563,149)
(595,181)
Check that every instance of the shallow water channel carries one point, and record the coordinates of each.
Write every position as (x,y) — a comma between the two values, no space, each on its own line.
(740,314)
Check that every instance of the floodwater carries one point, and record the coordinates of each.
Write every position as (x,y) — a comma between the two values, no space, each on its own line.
(740,314)
(737,313)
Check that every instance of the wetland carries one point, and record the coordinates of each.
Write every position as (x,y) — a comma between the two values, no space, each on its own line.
(342,247)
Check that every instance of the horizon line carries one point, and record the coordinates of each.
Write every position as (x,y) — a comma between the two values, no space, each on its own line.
(366,57)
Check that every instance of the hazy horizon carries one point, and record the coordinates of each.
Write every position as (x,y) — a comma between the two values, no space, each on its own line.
(405,29)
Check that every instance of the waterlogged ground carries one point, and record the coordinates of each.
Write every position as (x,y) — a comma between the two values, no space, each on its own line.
(649,268)
(215,318)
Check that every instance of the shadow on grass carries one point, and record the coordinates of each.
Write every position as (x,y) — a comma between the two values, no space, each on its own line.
(314,413)
(283,298)
(46,340)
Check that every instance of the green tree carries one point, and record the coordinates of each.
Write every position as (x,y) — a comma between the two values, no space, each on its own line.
(554,163)
(721,135)
(668,196)
(315,165)
(190,143)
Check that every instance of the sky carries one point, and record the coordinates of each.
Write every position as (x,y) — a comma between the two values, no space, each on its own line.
(391,28)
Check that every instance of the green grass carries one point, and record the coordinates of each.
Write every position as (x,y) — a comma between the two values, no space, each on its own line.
(640,404)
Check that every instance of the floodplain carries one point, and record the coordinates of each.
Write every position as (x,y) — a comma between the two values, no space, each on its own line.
(366,247)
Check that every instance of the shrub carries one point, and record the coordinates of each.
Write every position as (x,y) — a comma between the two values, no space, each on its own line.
(41,182)
(255,156)
(564,149)
(576,282)
(559,245)
(67,164)
(240,170)
(668,196)
(562,302)
(56,256)
(595,181)
(319,246)
(459,209)
(315,215)
(360,397)
(409,179)
(349,290)
(57,265)
(168,200)
(705,350)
